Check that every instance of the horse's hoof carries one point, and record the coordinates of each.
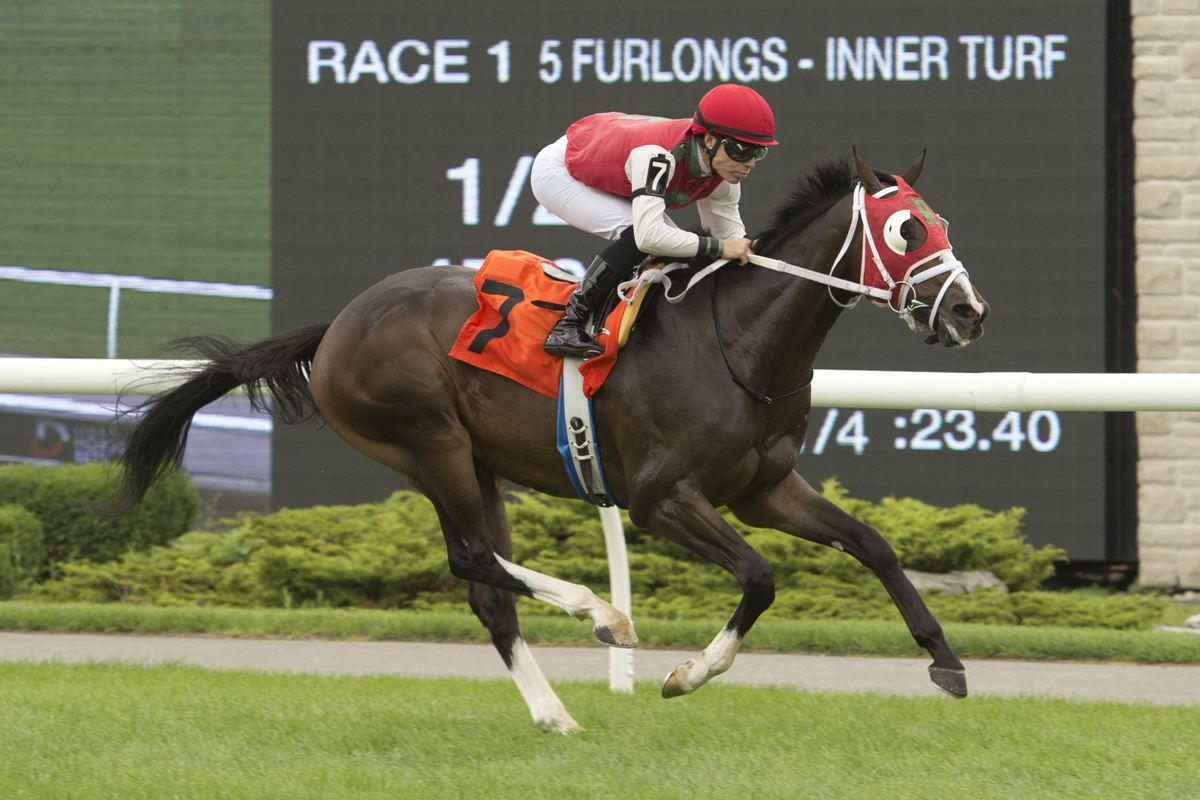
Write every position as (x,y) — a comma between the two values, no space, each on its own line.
(951,681)
(674,685)
(566,725)
(671,687)
(619,635)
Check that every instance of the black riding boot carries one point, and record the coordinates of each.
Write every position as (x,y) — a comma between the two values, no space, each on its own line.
(614,264)
(567,337)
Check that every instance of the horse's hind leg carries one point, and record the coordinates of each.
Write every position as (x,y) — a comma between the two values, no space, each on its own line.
(497,610)
(794,507)
(450,480)
(470,506)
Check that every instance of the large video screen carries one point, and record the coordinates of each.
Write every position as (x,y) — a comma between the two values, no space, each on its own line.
(134,210)
(402,136)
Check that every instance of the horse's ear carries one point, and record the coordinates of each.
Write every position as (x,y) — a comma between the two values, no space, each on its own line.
(865,174)
(914,172)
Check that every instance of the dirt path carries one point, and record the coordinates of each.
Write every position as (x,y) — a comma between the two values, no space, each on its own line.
(1130,683)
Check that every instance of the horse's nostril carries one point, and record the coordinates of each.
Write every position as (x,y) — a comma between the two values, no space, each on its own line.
(966,312)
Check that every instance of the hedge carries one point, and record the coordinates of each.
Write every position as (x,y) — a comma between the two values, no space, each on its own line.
(22,550)
(391,555)
(66,499)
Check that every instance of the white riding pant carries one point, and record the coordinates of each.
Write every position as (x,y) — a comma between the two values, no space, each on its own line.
(588,209)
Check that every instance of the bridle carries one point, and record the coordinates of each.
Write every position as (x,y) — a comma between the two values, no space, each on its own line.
(900,293)
(897,293)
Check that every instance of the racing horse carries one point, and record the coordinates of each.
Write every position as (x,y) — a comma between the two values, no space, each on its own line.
(708,408)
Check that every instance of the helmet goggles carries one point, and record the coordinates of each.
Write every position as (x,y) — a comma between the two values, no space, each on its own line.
(743,151)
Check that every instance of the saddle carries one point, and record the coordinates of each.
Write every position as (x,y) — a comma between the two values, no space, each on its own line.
(521,295)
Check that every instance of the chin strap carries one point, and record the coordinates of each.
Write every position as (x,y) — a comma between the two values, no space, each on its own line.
(710,151)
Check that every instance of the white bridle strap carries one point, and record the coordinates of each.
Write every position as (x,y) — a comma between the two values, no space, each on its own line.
(819,277)
(950,265)
(857,211)
(627,290)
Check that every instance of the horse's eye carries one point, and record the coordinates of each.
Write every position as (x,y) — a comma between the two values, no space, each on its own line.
(893,233)
(914,233)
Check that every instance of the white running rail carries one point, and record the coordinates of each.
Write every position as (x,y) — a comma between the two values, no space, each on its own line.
(979,391)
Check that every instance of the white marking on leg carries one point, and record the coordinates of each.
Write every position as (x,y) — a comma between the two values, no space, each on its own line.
(714,659)
(547,710)
(577,600)
(720,651)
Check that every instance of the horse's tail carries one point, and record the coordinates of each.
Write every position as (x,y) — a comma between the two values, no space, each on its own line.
(276,367)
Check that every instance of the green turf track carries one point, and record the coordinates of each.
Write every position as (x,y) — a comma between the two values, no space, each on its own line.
(135,140)
(100,731)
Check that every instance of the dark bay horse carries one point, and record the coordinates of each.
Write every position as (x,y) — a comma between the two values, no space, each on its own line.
(679,438)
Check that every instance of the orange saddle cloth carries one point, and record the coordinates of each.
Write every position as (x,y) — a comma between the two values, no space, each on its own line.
(518,305)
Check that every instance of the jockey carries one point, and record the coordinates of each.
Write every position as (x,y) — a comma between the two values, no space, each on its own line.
(615,175)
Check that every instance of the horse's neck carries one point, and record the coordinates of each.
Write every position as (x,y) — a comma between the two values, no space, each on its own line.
(778,322)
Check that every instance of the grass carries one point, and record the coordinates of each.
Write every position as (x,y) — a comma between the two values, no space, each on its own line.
(833,637)
(102,731)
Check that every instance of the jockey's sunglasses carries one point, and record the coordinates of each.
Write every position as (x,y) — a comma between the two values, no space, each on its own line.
(743,151)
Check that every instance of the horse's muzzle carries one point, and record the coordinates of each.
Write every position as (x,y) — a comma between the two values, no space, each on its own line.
(960,324)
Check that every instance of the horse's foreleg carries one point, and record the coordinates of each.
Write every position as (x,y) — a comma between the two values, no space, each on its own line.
(794,507)
(692,673)
(687,518)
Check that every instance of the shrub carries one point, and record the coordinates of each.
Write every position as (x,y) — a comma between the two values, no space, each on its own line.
(386,554)
(391,555)
(935,539)
(63,498)
(188,571)
(1080,609)
(22,550)
(383,554)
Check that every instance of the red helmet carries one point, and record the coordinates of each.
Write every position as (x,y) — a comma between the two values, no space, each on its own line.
(737,111)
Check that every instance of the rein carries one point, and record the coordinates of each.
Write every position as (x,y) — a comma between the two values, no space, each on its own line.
(762,398)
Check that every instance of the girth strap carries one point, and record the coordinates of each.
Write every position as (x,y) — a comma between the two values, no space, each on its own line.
(577,440)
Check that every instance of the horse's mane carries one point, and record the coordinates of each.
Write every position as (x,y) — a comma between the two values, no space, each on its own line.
(814,191)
